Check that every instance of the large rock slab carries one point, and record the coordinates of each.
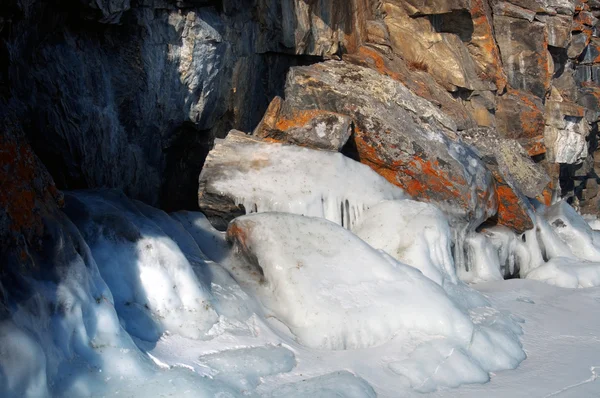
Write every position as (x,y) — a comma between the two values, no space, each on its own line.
(417,80)
(566,132)
(444,55)
(520,116)
(400,135)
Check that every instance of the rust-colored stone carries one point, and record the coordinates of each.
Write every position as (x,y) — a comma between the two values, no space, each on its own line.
(483,46)
(520,115)
(511,211)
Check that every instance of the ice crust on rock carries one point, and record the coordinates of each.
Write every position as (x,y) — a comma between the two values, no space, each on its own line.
(332,289)
(285,178)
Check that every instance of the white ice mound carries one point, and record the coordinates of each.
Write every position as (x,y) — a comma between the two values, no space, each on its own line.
(567,272)
(414,233)
(572,229)
(286,178)
(154,286)
(332,289)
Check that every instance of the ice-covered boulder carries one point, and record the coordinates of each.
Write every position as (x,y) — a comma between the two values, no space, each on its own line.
(244,175)
(332,289)
(572,229)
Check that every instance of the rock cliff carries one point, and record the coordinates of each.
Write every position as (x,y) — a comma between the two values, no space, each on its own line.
(474,105)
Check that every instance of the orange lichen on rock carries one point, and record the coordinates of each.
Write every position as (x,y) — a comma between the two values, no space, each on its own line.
(483,46)
(511,212)
(520,115)
(27,193)
(421,178)
(299,118)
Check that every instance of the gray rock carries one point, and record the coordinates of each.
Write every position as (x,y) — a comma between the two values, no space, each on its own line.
(524,50)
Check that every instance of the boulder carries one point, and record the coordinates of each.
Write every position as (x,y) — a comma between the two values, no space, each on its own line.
(244,174)
(524,49)
(313,129)
(579,42)
(516,175)
(404,138)
(559,29)
(592,52)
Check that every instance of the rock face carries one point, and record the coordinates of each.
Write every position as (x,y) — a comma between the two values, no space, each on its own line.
(401,136)
(131,95)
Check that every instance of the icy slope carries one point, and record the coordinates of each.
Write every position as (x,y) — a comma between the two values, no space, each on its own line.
(152,281)
(333,291)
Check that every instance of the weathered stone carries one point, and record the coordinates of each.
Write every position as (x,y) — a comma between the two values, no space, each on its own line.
(565,132)
(28,195)
(586,18)
(579,42)
(566,84)
(401,136)
(524,49)
(444,55)
(507,9)
(592,52)
(532,5)
(521,116)
(589,98)
(482,45)
(515,174)
(377,33)
(559,30)
(417,80)
(587,75)
(432,7)
(313,129)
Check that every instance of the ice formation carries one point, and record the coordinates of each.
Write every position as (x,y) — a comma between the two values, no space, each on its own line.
(297,180)
(152,281)
(145,303)
(414,233)
(334,291)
